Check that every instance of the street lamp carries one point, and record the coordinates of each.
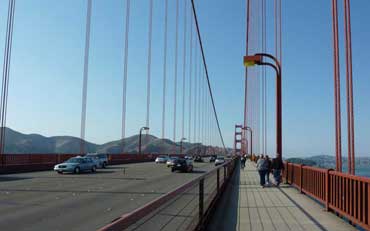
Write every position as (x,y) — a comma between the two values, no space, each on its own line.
(182,139)
(250,130)
(141,130)
(257,59)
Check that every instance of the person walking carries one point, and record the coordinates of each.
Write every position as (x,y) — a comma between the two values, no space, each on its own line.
(269,169)
(277,167)
(262,167)
(243,159)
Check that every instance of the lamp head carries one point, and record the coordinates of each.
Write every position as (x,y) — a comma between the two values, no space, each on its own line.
(252,60)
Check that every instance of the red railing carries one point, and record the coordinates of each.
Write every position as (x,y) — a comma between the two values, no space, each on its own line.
(206,188)
(345,194)
(10,163)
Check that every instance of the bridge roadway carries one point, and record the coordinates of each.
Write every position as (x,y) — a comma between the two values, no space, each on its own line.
(48,201)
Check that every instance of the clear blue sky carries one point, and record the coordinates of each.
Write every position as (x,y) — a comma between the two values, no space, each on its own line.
(47,68)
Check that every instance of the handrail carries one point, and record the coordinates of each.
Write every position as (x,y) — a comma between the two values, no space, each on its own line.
(341,193)
(128,219)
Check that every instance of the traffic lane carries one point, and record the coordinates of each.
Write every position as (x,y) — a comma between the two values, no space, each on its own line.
(49,201)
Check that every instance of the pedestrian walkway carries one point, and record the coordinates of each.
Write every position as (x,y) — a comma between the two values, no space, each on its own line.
(245,205)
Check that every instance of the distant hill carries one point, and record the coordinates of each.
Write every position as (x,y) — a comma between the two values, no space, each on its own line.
(326,161)
(19,143)
(301,161)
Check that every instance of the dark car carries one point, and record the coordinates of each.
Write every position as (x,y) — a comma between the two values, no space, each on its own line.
(182,165)
(198,159)
(213,158)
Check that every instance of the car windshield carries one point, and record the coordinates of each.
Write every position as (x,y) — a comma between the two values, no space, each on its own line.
(162,156)
(74,160)
(220,158)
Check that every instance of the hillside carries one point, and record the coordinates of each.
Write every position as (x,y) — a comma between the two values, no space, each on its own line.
(19,143)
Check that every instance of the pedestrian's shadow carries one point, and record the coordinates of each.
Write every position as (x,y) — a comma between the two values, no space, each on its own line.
(225,216)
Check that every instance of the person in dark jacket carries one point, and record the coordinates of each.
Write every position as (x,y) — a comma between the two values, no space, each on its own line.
(269,170)
(277,167)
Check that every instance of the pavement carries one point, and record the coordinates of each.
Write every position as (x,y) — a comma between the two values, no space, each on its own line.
(49,201)
(246,206)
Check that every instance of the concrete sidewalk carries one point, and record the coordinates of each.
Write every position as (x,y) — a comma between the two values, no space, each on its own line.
(245,205)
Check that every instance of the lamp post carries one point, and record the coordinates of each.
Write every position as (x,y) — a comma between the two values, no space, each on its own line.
(182,139)
(257,59)
(250,130)
(141,130)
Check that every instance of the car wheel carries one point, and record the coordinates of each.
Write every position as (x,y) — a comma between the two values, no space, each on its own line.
(93,169)
(60,172)
(77,170)
(104,165)
(172,170)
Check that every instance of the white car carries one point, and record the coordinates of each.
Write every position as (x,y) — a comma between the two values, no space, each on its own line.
(161,159)
(219,160)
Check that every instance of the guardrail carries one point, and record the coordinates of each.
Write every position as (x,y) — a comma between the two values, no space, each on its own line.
(344,194)
(11,163)
(193,203)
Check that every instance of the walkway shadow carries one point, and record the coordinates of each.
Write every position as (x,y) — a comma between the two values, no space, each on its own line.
(225,217)
(317,223)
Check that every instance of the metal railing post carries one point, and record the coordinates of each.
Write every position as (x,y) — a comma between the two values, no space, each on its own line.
(327,189)
(201,200)
(301,178)
(218,180)
(224,173)
(287,173)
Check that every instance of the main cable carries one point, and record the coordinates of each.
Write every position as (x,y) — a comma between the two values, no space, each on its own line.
(207,76)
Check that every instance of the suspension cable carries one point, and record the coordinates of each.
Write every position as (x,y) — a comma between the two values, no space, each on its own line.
(85,76)
(149,63)
(125,68)
(195,93)
(175,74)
(6,71)
(164,70)
(190,74)
(205,67)
(184,74)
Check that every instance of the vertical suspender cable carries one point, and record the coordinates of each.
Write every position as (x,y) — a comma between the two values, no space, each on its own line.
(350,116)
(337,106)
(149,63)
(164,70)
(246,72)
(184,74)
(6,71)
(190,74)
(203,110)
(264,86)
(175,74)
(125,67)
(85,76)
(195,92)
(199,102)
